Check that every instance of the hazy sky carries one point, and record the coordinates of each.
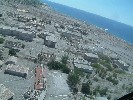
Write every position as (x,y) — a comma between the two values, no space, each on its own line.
(119,10)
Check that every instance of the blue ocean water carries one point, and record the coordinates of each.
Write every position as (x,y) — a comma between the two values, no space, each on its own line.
(116,28)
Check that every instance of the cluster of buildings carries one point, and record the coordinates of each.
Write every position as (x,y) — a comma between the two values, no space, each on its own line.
(39,85)
(84,63)
(13,69)
(18,33)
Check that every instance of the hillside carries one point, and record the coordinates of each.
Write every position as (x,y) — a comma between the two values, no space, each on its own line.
(27,2)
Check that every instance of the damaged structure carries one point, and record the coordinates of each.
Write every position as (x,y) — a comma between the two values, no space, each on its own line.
(50,41)
(18,33)
(5,93)
(82,65)
(90,57)
(17,70)
(40,80)
(11,60)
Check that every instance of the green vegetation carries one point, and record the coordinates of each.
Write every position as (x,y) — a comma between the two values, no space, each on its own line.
(104,57)
(79,72)
(2,40)
(119,71)
(86,88)
(72,80)
(130,89)
(96,65)
(64,59)
(113,80)
(102,92)
(95,79)
(106,64)
(96,90)
(62,65)
(12,52)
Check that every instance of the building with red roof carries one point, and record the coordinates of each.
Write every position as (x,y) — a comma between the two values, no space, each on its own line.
(40,84)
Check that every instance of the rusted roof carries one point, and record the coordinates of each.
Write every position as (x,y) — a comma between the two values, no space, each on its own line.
(39,74)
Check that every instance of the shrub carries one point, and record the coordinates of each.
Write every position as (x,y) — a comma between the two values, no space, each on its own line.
(64,59)
(73,80)
(119,71)
(65,69)
(103,91)
(96,66)
(2,40)
(12,52)
(58,66)
(86,88)
(110,79)
(78,72)
(54,65)
(95,79)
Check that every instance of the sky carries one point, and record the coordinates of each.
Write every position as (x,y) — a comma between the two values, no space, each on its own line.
(118,10)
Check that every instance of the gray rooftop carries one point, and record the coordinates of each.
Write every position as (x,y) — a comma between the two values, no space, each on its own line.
(81,63)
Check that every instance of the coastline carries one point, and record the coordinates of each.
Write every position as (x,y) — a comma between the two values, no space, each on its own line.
(109,31)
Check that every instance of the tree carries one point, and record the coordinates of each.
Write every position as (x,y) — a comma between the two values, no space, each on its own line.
(65,69)
(73,80)
(12,52)
(54,65)
(2,40)
(85,88)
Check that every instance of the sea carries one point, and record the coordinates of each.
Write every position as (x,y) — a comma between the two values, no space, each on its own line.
(115,28)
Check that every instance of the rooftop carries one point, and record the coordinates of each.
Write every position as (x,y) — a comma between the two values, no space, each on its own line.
(122,62)
(17,68)
(51,38)
(12,58)
(39,74)
(91,55)
(81,63)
